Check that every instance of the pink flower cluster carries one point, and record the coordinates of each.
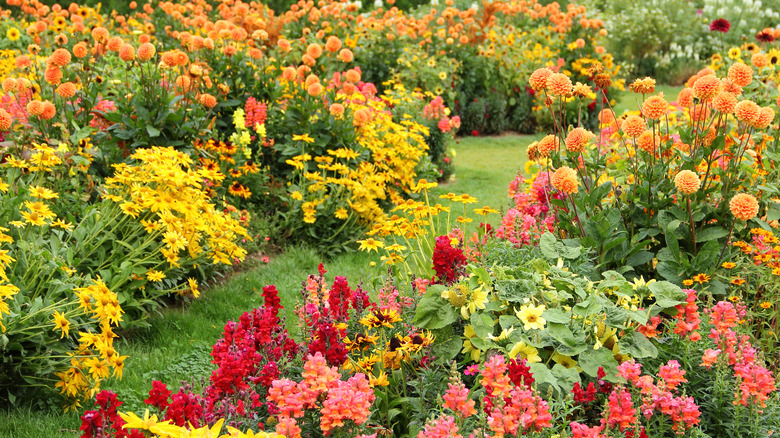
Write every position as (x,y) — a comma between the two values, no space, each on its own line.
(755,381)
(529,219)
(338,401)
(660,397)
(688,318)
(511,408)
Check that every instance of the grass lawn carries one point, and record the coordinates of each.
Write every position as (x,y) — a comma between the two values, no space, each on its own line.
(176,346)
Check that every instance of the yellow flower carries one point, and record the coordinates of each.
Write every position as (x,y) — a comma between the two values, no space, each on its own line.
(133,421)
(566,361)
(484,211)
(528,352)
(380,380)
(61,323)
(729,265)
(155,276)
(531,317)
(42,192)
(13,34)
(765,305)
(370,244)
(193,287)
(304,138)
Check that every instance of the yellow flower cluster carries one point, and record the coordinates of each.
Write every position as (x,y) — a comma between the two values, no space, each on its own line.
(167,429)
(95,357)
(166,194)
(346,178)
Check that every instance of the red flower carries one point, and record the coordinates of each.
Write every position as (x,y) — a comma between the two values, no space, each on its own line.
(720,25)
(765,37)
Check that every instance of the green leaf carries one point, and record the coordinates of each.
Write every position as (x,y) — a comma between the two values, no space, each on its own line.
(667,295)
(544,378)
(434,312)
(590,360)
(153,132)
(483,324)
(711,233)
(562,334)
(556,315)
(547,245)
(447,345)
(566,377)
(638,346)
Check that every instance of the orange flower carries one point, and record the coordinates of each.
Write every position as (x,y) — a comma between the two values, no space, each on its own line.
(559,84)
(606,117)
(66,90)
(578,139)
(538,79)
(725,102)
(333,44)
(115,43)
(314,89)
(765,118)
(361,117)
(53,75)
(146,51)
(747,111)
(22,61)
(647,142)
(49,110)
(352,75)
(336,110)
(634,126)
(740,74)
(127,52)
(655,107)
(685,97)
(289,74)
(208,100)
(80,50)
(35,107)
(759,60)
(283,45)
(314,50)
(9,85)
(345,55)
(565,180)
(547,145)
(706,87)
(59,58)
(100,34)
(743,206)
(5,120)
(687,182)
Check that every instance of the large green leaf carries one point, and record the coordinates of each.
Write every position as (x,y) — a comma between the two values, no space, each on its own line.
(433,311)
(667,294)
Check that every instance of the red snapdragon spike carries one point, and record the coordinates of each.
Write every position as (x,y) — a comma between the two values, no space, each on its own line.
(448,262)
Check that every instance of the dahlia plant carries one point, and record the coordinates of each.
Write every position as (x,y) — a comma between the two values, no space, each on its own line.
(661,191)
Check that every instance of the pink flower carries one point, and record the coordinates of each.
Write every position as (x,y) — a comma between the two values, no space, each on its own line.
(709,358)
(457,399)
(621,409)
(630,370)
(672,374)
(442,427)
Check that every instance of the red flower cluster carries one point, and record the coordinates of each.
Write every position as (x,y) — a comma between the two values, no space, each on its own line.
(105,422)
(448,262)
(255,113)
